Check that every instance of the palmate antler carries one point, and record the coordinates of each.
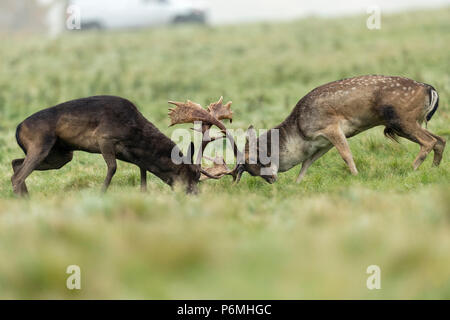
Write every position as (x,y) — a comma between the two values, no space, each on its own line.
(190,112)
(220,111)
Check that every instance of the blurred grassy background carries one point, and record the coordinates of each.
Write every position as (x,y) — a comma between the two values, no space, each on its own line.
(313,240)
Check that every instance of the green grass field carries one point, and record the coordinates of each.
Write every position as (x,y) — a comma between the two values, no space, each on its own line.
(254,240)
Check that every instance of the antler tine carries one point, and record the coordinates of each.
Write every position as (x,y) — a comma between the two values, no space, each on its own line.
(220,111)
(218,103)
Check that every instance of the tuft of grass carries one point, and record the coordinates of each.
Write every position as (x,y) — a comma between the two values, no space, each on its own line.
(254,240)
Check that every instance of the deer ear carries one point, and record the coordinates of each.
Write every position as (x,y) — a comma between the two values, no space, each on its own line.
(190,154)
(250,143)
(250,130)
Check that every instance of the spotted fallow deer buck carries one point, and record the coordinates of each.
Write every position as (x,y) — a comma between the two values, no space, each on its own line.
(108,125)
(333,112)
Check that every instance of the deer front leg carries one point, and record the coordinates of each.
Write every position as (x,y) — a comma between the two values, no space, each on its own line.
(108,152)
(338,139)
(308,162)
(143,180)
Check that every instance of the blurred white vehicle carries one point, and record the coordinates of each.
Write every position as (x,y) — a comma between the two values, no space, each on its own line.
(115,14)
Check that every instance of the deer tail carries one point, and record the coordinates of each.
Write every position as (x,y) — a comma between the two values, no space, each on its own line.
(434,103)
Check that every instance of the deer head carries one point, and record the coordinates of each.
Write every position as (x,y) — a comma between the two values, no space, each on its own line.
(252,163)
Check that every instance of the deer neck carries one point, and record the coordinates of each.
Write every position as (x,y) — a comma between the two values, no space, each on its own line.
(155,154)
(293,148)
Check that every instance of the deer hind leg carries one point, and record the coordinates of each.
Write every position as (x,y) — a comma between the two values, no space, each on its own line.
(438,149)
(109,154)
(143,180)
(34,157)
(335,135)
(425,139)
(54,160)
(16,165)
(308,162)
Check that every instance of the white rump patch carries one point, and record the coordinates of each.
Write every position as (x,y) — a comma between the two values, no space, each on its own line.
(434,99)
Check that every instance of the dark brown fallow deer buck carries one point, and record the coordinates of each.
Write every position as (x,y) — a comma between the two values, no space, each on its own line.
(331,113)
(112,127)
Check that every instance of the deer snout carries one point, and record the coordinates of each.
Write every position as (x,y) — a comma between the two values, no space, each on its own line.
(192,189)
(270,179)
